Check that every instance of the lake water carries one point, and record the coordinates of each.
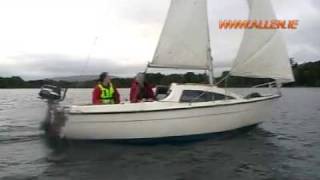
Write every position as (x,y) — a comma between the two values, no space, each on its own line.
(286,147)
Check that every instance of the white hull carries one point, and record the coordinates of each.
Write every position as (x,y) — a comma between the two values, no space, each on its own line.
(188,119)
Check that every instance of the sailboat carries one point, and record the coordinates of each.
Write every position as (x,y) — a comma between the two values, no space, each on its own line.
(190,109)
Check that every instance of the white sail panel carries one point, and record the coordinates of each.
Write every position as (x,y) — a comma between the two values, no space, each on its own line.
(262,53)
(184,41)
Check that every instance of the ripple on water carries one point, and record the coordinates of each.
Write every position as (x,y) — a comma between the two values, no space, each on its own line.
(286,146)
(18,133)
(17,139)
(249,168)
(16,128)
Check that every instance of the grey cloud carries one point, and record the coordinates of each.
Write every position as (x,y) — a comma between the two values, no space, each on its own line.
(143,11)
(316,3)
(303,44)
(54,65)
(40,66)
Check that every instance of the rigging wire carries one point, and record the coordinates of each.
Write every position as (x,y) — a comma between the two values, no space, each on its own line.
(87,60)
(223,79)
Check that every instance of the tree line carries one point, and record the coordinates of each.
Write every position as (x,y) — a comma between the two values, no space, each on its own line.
(306,75)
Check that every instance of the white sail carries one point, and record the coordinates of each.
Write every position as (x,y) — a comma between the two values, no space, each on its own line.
(262,53)
(184,41)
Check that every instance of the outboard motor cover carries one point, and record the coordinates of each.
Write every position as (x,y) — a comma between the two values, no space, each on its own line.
(50,92)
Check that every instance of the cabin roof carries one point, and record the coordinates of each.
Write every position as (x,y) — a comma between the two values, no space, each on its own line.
(176,91)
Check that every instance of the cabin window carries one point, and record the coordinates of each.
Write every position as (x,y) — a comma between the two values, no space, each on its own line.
(201,96)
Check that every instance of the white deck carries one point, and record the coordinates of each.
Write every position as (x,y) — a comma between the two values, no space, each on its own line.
(172,101)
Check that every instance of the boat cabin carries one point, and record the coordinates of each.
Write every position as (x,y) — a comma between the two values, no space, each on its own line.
(187,93)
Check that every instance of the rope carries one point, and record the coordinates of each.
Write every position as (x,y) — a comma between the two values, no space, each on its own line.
(224,78)
(86,63)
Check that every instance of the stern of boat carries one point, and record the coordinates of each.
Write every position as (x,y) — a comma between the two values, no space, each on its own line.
(56,115)
(55,120)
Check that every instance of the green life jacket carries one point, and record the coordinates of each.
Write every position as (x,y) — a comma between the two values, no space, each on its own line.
(107,94)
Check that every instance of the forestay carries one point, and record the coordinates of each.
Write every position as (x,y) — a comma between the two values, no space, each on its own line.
(184,41)
(262,53)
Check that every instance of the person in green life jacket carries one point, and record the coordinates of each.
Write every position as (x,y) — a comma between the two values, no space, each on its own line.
(105,92)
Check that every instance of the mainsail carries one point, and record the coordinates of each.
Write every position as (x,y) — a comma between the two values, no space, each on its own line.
(184,41)
(262,52)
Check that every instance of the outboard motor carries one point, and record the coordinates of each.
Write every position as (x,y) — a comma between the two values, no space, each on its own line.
(55,118)
(52,93)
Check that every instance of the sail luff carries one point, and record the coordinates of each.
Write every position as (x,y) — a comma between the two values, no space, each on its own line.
(161,34)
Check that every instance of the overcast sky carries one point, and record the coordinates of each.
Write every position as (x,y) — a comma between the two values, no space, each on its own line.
(49,38)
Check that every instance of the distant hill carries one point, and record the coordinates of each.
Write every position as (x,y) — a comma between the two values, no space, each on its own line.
(306,75)
(81,78)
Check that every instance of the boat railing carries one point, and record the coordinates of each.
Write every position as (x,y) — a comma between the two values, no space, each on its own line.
(269,84)
(273,85)
(227,97)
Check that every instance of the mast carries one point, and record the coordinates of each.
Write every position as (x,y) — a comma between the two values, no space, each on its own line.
(210,70)
(209,57)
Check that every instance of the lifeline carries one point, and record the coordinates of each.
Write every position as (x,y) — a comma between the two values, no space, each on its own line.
(258,24)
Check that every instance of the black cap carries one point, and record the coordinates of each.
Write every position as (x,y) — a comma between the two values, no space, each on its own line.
(103,76)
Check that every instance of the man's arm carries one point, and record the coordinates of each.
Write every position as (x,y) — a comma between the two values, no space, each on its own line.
(96,96)
(134,90)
